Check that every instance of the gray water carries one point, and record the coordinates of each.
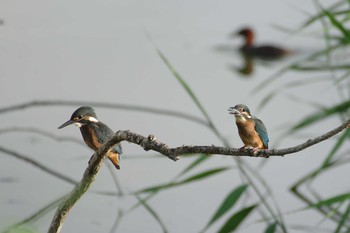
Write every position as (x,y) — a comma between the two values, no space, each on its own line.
(105,52)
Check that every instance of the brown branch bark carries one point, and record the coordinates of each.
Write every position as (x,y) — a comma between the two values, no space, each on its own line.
(88,177)
(151,143)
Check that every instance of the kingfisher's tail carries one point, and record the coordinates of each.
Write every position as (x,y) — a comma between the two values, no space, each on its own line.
(114,158)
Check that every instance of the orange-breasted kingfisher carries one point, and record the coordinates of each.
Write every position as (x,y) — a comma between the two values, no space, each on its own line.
(94,132)
(251,130)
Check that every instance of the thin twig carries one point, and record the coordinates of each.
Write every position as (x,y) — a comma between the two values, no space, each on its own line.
(128,107)
(37,165)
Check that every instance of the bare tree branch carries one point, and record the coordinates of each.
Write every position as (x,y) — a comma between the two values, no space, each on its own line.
(88,177)
(150,143)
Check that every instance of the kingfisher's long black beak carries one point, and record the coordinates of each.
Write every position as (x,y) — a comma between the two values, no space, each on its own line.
(66,124)
(233,111)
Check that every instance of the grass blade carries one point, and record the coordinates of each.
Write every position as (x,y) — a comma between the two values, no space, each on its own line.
(343,220)
(320,67)
(204,174)
(228,203)
(336,147)
(152,212)
(41,213)
(191,94)
(193,178)
(194,164)
(236,219)
(271,228)
(332,200)
(342,107)
(338,25)
(183,83)
(20,229)
(317,17)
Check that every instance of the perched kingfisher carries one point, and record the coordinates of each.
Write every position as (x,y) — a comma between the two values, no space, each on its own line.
(251,130)
(268,52)
(94,132)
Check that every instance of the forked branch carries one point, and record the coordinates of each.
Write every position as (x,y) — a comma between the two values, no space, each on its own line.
(151,143)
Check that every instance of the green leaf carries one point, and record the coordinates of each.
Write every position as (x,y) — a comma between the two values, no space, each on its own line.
(194,164)
(236,219)
(196,177)
(230,201)
(343,220)
(204,174)
(342,107)
(302,67)
(338,25)
(20,229)
(38,214)
(336,147)
(317,18)
(271,228)
(332,200)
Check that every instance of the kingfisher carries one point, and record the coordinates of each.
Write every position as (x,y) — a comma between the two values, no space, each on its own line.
(251,130)
(267,52)
(94,132)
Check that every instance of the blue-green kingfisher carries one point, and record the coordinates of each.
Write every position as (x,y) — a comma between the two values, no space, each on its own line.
(94,132)
(251,130)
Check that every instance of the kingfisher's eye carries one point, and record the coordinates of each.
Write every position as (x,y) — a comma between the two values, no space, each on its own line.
(78,117)
(242,109)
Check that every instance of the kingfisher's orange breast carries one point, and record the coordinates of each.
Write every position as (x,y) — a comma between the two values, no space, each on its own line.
(249,135)
(90,138)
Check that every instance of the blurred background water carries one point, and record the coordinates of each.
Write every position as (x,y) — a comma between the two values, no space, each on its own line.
(104,52)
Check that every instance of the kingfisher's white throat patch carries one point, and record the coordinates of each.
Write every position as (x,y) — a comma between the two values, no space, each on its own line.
(242,117)
(78,124)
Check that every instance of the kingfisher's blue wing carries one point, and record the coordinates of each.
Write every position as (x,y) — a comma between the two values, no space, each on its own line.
(118,148)
(106,133)
(261,129)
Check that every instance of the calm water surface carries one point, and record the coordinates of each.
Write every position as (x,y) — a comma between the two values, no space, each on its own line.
(105,52)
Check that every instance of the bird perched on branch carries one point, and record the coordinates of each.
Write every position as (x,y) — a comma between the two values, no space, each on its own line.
(251,130)
(261,51)
(94,132)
